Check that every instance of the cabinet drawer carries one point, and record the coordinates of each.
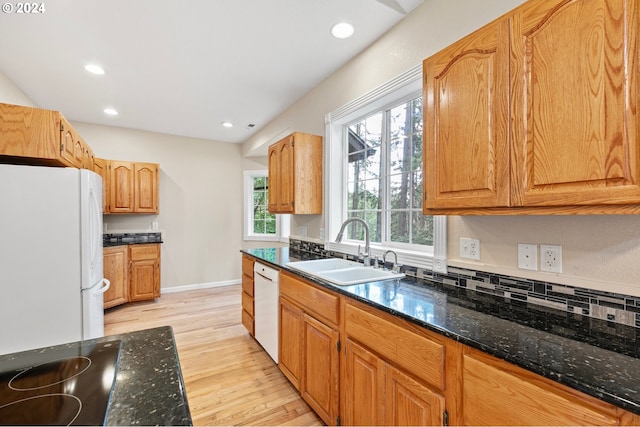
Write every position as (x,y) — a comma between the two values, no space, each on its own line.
(247,321)
(138,252)
(247,266)
(247,303)
(247,285)
(415,353)
(312,299)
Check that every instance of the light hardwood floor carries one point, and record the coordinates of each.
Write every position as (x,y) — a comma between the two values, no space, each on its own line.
(229,378)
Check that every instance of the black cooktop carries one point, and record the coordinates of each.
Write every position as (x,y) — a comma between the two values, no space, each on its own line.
(70,385)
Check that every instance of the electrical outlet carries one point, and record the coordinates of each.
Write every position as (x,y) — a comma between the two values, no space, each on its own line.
(527,256)
(469,248)
(154,225)
(551,258)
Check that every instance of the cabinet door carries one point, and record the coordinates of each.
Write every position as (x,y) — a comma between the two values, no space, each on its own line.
(466,99)
(88,161)
(122,188)
(145,187)
(409,403)
(101,167)
(71,145)
(498,393)
(321,369)
(363,387)
(290,341)
(287,176)
(145,280)
(274,177)
(116,268)
(281,176)
(574,103)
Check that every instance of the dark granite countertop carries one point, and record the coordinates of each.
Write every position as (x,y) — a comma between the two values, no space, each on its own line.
(149,388)
(120,239)
(587,354)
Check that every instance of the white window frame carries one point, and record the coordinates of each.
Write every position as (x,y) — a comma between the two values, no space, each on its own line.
(282,221)
(408,84)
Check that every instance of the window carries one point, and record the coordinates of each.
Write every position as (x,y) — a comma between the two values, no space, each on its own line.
(259,223)
(384,176)
(374,147)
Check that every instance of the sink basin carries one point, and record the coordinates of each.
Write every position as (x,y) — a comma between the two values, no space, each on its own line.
(316,265)
(352,276)
(343,272)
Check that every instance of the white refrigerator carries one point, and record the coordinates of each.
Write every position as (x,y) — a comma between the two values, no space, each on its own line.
(51,272)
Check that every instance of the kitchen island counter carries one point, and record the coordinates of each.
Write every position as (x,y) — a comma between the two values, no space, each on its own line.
(587,354)
(149,388)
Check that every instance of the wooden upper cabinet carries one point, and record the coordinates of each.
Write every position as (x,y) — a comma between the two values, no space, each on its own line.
(536,113)
(295,175)
(145,187)
(132,187)
(40,137)
(466,94)
(574,103)
(101,167)
(72,147)
(121,187)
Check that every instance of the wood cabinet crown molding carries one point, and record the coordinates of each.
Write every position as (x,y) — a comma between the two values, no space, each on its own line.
(536,113)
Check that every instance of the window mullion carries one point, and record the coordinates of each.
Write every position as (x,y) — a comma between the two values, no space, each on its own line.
(386,213)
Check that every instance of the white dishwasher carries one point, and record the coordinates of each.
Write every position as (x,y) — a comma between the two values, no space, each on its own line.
(266,302)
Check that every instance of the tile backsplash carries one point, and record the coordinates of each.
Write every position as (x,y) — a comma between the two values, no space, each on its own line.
(608,306)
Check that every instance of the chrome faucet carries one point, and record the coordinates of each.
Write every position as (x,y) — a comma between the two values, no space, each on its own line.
(395,268)
(367,242)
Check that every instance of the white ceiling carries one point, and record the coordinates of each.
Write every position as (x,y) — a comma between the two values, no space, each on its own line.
(183,67)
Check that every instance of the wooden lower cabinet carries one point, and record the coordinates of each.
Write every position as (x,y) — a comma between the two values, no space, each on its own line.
(321,368)
(393,372)
(496,392)
(379,392)
(290,342)
(409,402)
(144,282)
(134,273)
(247,294)
(116,269)
(309,345)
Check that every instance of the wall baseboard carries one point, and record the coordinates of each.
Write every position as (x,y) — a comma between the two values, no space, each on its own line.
(184,288)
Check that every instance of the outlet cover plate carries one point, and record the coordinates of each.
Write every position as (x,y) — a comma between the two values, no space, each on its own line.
(551,258)
(470,248)
(528,256)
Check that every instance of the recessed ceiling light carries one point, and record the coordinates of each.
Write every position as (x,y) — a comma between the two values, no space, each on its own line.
(227,124)
(94,69)
(342,30)
(110,111)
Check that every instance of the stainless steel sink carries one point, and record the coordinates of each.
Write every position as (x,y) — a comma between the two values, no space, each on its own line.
(343,272)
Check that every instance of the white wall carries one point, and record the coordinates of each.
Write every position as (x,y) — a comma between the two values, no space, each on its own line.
(12,94)
(599,252)
(200,200)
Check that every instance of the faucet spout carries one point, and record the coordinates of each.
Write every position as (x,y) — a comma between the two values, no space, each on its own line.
(395,267)
(367,241)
